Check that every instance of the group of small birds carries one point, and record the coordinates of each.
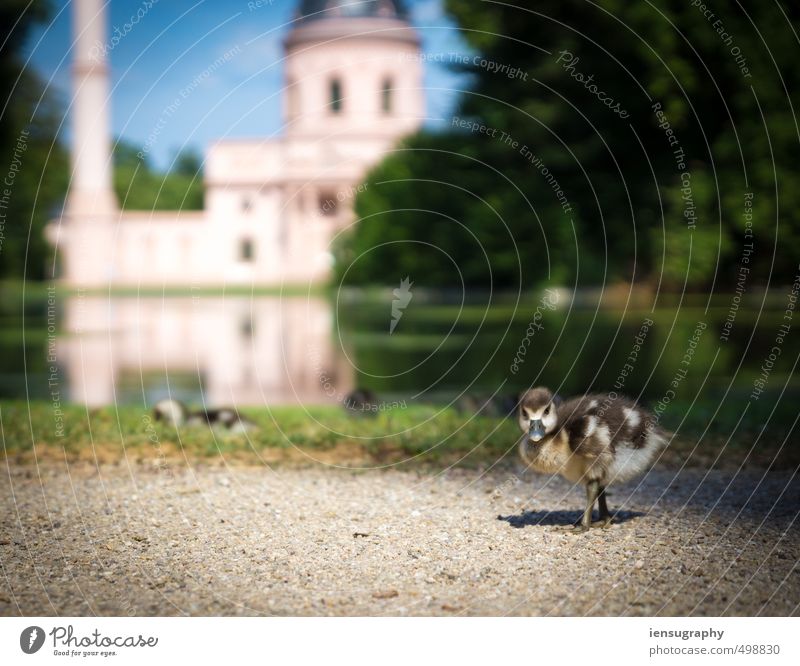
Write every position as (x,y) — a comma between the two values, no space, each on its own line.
(595,440)
(175,413)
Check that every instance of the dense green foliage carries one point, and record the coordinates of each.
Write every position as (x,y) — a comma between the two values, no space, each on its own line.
(473,198)
(140,187)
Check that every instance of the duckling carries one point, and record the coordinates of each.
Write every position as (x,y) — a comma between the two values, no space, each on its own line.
(177,414)
(361,401)
(171,412)
(596,440)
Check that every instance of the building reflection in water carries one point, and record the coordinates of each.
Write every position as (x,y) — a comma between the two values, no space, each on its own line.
(211,350)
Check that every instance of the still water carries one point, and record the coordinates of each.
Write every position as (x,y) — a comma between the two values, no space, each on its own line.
(245,350)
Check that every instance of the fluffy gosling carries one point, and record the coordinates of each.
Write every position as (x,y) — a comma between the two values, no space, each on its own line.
(596,440)
(176,414)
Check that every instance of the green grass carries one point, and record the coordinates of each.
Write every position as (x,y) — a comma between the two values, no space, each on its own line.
(424,434)
(398,434)
(11,291)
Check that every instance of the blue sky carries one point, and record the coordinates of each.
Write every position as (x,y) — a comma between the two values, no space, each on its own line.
(177,40)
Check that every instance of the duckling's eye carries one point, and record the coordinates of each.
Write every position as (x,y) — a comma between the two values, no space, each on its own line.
(547,411)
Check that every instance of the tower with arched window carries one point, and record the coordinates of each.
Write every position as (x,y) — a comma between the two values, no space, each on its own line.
(353,87)
(352,67)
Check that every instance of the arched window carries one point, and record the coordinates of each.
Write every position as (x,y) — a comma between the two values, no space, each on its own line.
(336,96)
(327,204)
(386,96)
(246,250)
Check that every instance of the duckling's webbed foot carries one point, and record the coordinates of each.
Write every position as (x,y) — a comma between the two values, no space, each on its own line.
(574,528)
(580,528)
(602,523)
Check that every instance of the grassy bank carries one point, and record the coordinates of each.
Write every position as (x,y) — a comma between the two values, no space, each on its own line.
(282,433)
(422,434)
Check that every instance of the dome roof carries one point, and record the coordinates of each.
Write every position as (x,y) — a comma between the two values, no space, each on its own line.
(315,10)
(330,20)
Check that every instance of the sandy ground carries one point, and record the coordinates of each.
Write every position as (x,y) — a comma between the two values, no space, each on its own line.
(208,541)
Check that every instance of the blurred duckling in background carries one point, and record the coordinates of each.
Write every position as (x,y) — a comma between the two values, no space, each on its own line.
(177,414)
(361,402)
(596,440)
(493,406)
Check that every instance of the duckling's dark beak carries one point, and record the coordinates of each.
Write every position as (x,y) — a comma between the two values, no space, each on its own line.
(536,431)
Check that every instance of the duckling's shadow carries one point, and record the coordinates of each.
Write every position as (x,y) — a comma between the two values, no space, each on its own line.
(564,518)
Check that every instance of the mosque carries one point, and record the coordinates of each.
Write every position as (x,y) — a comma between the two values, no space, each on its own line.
(352,89)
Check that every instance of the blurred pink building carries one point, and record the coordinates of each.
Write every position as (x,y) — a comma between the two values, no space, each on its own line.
(353,87)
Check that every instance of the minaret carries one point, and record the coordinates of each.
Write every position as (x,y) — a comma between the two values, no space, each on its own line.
(91,192)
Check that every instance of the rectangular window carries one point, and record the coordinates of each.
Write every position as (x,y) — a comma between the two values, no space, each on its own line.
(386,96)
(336,96)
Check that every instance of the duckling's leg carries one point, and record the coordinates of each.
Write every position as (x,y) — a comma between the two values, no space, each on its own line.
(592,492)
(605,514)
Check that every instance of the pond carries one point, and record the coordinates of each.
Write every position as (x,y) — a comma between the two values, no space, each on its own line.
(271,350)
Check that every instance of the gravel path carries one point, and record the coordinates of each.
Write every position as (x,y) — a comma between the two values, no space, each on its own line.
(208,541)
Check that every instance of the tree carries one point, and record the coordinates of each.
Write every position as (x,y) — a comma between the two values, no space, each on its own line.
(599,141)
(188,162)
(141,187)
